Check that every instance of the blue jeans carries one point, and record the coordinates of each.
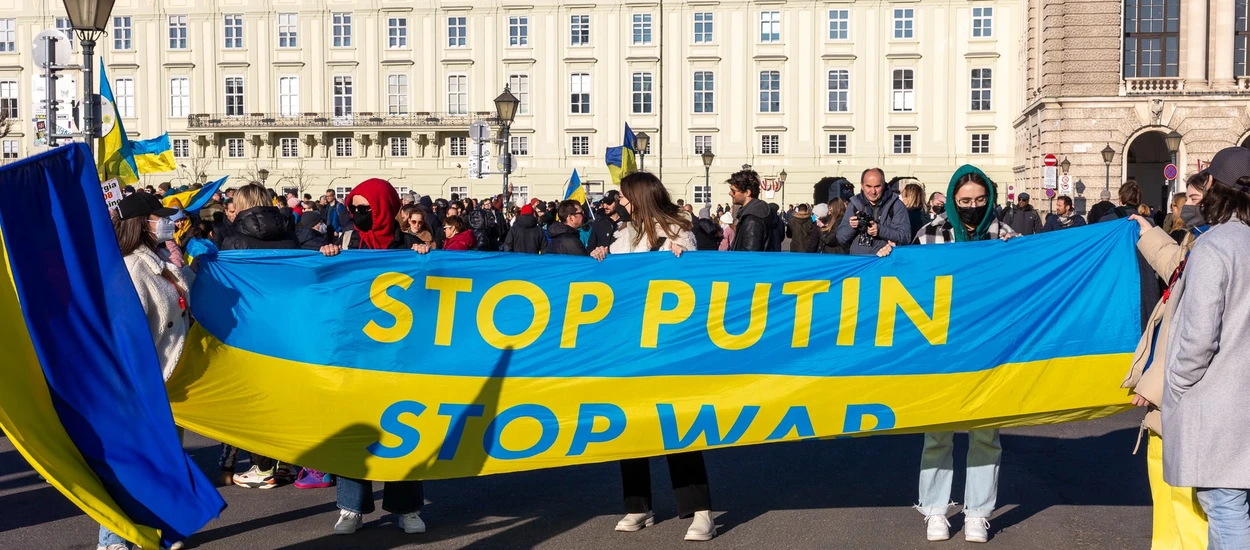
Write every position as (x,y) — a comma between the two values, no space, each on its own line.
(937,473)
(398,497)
(108,537)
(1228,518)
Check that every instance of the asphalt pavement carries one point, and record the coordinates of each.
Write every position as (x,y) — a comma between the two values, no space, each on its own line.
(1069,486)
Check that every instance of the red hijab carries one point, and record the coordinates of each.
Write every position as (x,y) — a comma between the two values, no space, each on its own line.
(384,203)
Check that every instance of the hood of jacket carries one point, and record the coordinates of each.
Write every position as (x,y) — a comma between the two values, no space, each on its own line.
(757,208)
(561,229)
(952,213)
(526,221)
(263,222)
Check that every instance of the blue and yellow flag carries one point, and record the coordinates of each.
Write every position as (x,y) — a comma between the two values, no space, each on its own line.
(575,190)
(114,155)
(622,161)
(195,199)
(154,156)
(81,394)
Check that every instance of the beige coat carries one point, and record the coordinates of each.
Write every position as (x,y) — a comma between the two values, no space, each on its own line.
(1164,256)
(167,321)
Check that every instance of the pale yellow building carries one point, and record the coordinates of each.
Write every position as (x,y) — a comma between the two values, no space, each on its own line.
(327,93)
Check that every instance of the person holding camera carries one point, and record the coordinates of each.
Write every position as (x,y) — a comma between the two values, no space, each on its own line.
(874,217)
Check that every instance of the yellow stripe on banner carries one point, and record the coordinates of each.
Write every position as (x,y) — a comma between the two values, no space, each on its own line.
(390,426)
(32,424)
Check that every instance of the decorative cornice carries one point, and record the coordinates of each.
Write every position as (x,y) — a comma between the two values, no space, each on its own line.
(838,57)
(835,128)
(580,60)
(642,59)
(179,65)
(703,59)
(581,131)
(234,64)
(704,130)
(981,55)
(457,61)
(981,127)
(770,128)
(902,128)
(771,57)
(288,64)
(342,63)
(397,62)
(903,55)
(123,65)
(519,60)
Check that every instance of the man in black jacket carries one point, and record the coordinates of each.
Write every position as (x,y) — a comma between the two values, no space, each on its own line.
(1023,218)
(1101,209)
(753,233)
(603,229)
(525,237)
(565,237)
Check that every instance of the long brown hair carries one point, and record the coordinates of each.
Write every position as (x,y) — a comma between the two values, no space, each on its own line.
(1178,200)
(133,233)
(652,206)
(913,196)
(406,212)
(837,209)
(1223,202)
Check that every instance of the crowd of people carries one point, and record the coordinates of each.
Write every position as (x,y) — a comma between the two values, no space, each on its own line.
(1186,371)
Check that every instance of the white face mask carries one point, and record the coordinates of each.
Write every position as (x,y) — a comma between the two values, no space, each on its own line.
(164,230)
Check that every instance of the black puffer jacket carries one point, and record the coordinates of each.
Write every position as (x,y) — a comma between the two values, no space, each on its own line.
(602,231)
(564,240)
(525,237)
(753,233)
(260,228)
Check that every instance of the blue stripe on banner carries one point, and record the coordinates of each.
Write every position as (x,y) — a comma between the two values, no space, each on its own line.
(91,337)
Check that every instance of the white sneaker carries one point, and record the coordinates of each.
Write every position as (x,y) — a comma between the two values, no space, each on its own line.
(256,479)
(703,527)
(176,546)
(412,523)
(635,522)
(976,529)
(348,523)
(938,529)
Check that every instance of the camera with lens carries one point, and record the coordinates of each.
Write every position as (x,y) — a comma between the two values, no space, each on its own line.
(864,239)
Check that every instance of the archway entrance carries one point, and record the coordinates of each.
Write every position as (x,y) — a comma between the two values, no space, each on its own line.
(1147,156)
(1246,143)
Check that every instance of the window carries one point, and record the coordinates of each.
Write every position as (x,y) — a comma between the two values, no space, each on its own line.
(1242,37)
(124,96)
(980,144)
(642,28)
(234,148)
(459,146)
(341,28)
(519,84)
(288,30)
(702,194)
(579,93)
(981,84)
(837,144)
(904,95)
(770,26)
(770,91)
(399,147)
(8,98)
(702,144)
(342,96)
(67,29)
(518,31)
(289,147)
(181,147)
(458,94)
(519,145)
(521,194)
(904,23)
(579,30)
(397,32)
(458,192)
(10,149)
(122,32)
(397,94)
(343,147)
(704,90)
(234,31)
(641,100)
(234,96)
(839,24)
(457,32)
(1152,38)
(177,32)
(770,144)
(703,28)
(581,146)
(839,91)
(8,35)
(982,22)
(902,144)
(179,96)
(288,95)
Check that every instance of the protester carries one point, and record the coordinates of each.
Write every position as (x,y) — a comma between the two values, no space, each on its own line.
(913,200)
(459,237)
(258,225)
(335,214)
(1065,216)
(728,231)
(800,229)
(525,237)
(603,228)
(973,193)
(937,205)
(413,229)
(1100,210)
(1173,223)
(1023,218)
(311,231)
(1130,199)
(201,241)
(874,217)
(657,224)
(482,223)
(565,237)
(707,234)
(829,233)
(753,233)
(776,227)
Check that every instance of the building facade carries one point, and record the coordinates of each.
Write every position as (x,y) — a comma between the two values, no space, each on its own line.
(326,93)
(1124,74)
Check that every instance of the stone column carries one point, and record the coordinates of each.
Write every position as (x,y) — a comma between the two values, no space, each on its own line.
(1222,73)
(1195,22)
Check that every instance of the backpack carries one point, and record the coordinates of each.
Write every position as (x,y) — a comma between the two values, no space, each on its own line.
(482,226)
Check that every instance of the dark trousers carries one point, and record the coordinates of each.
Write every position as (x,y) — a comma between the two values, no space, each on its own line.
(398,497)
(230,454)
(689,476)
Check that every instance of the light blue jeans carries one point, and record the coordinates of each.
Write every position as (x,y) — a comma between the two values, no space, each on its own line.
(1228,518)
(937,473)
(108,537)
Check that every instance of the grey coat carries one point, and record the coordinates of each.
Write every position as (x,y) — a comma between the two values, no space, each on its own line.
(893,224)
(1206,422)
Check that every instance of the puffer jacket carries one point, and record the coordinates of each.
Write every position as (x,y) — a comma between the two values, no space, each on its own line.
(525,237)
(564,240)
(752,233)
(800,230)
(260,228)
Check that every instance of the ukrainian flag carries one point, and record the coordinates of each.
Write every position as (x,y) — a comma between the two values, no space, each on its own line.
(114,156)
(621,160)
(81,392)
(154,156)
(192,201)
(575,190)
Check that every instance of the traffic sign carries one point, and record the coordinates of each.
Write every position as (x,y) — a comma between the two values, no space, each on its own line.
(1050,160)
(1065,184)
(1050,193)
(1169,172)
(479,131)
(62,49)
(1050,177)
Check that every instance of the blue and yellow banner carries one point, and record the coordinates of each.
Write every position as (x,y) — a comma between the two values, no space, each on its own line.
(154,156)
(114,155)
(575,191)
(195,199)
(460,364)
(81,392)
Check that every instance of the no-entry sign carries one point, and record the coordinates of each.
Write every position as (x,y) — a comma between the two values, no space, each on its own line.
(1050,160)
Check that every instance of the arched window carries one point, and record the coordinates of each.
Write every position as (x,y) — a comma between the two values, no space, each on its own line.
(1151,38)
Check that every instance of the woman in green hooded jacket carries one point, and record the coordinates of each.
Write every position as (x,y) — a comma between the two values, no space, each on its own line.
(969,216)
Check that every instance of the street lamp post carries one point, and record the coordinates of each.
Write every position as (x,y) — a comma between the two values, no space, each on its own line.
(202,177)
(1107,154)
(89,19)
(505,108)
(264,175)
(1063,166)
(781,186)
(1173,141)
(643,139)
(708,157)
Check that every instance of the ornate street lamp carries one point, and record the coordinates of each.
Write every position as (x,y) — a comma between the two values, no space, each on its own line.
(264,175)
(643,139)
(203,178)
(505,109)
(1173,141)
(1107,154)
(1065,165)
(708,157)
(89,19)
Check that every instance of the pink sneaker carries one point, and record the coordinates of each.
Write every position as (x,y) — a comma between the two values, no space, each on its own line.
(312,479)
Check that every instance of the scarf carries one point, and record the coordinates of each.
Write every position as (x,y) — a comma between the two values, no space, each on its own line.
(384,203)
(1065,221)
(952,214)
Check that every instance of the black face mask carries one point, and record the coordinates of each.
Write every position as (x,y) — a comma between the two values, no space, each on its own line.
(939,209)
(362,218)
(972,216)
(1192,216)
